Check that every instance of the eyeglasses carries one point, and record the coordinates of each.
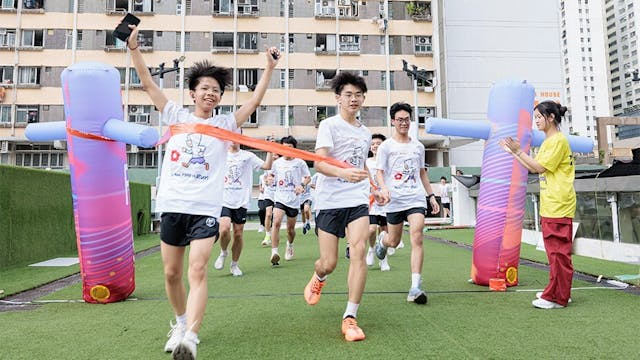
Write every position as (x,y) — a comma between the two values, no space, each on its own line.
(403,120)
(350,95)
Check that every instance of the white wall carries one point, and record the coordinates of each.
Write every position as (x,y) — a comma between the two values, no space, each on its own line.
(492,40)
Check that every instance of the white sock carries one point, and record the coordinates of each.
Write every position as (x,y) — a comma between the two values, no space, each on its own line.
(289,245)
(234,263)
(416,279)
(371,249)
(182,320)
(274,251)
(352,310)
(321,278)
(224,252)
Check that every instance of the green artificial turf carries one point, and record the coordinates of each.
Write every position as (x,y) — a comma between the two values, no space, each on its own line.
(262,315)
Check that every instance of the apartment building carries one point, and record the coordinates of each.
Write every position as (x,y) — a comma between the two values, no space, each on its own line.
(622,46)
(39,38)
(585,67)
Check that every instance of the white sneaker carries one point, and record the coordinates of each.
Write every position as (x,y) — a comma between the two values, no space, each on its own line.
(288,255)
(260,228)
(175,335)
(371,254)
(400,245)
(539,294)
(544,304)
(235,270)
(266,241)
(391,251)
(186,349)
(219,264)
(384,264)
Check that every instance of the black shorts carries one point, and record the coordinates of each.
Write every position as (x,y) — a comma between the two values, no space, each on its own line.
(268,203)
(290,212)
(335,221)
(237,216)
(261,204)
(446,205)
(305,202)
(179,229)
(398,217)
(379,220)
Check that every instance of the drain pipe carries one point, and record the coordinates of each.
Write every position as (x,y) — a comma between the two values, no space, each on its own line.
(612,199)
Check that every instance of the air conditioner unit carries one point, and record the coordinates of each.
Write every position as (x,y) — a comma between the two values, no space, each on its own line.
(133,149)
(4,147)
(59,144)
(345,2)
(133,109)
(428,89)
(3,31)
(422,40)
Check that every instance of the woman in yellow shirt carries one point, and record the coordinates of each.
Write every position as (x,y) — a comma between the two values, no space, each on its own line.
(556,167)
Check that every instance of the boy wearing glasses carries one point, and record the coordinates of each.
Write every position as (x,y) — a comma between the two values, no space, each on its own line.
(403,180)
(342,197)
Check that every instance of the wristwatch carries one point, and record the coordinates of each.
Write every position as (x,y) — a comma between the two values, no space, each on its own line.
(431,195)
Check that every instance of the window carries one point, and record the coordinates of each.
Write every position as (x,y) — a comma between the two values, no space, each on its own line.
(8,5)
(117,6)
(283,81)
(247,41)
(7,37)
(323,78)
(323,112)
(248,77)
(29,75)
(6,74)
(112,42)
(26,114)
(5,114)
(222,6)
(32,38)
(222,41)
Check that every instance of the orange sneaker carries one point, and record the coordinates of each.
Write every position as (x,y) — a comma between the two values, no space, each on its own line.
(351,330)
(313,290)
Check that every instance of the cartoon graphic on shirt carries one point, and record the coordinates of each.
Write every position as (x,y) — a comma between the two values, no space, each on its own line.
(288,179)
(406,172)
(196,152)
(356,159)
(233,175)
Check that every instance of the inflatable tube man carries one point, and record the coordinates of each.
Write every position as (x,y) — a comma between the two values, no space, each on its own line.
(503,181)
(96,135)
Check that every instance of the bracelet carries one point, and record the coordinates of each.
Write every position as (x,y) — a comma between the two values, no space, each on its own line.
(431,195)
(137,46)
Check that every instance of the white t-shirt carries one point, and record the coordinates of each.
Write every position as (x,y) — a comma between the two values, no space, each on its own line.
(263,186)
(348,143)
(375,209)
(238,179)
(269,190)
(288,174)
(401,163)
(193,167)
(444,193)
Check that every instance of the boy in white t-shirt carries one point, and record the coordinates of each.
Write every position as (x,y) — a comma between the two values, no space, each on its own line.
(291,175)
(377,213)
(342,197)
(445,190)
(238,182)
(403,180)
(192,169)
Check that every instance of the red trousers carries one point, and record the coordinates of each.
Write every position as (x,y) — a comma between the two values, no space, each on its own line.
(558,240)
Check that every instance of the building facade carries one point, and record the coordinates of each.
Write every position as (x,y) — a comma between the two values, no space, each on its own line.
(585,67)
(40,38)
(492,40)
